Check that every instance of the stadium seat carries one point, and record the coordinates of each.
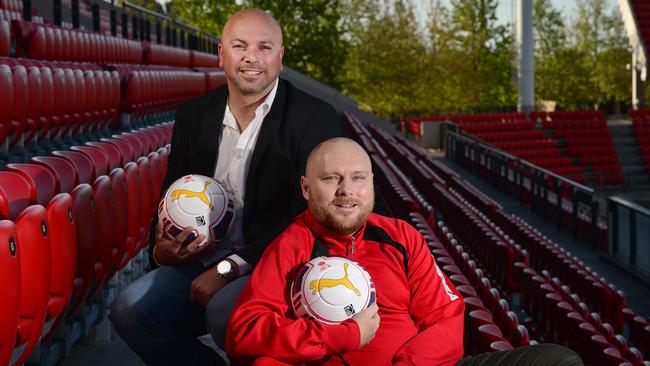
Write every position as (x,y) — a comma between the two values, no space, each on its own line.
(20,106)
(135,231)
(9,289)
(112,153)
(120,218)
(6,108)
(82,164)
(84,207)
(126,151)
(5,38)
(65,174)
(98,158)
(32,231)
(105,235)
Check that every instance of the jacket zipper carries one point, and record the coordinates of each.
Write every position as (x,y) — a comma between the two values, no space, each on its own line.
(352,245)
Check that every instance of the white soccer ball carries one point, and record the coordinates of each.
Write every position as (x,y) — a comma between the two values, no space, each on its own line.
(331,290)
(200,202)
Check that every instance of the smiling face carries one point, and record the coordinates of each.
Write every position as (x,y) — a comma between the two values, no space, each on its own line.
(338,185)
(250,52)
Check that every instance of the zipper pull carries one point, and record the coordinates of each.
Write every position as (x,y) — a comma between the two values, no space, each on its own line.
(352,244)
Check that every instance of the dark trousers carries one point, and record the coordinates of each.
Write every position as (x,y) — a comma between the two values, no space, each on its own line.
(538,355)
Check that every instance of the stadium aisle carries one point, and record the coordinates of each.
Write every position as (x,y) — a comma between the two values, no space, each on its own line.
(638,294)
(111,353)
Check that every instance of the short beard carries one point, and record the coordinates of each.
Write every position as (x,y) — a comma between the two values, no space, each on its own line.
(340,227)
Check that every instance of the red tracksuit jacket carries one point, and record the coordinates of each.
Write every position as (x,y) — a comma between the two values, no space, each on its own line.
(421,313)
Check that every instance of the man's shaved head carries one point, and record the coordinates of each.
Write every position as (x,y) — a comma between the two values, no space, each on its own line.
(338,185)
(327,146)
(248,14)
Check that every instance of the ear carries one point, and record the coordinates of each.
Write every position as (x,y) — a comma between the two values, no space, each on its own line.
(220,53)
(304,185)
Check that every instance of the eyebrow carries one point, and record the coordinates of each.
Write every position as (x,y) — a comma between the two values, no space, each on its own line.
(354,172)
(265,42)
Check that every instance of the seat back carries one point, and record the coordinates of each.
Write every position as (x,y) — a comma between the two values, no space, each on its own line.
(98,158)
(112,152)
(65,174)
(33,236)
(83,201)
(15,195)
(41,182)
(120,216)
(9,289)
(125,148)
(63,255)
(134,187)
(105,235)
(5,38)
(81,162)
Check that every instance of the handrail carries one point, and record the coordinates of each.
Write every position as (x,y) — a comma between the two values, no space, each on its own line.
(496,150)
(631,205)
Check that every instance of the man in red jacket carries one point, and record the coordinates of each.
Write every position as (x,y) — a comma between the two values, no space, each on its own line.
(419,317)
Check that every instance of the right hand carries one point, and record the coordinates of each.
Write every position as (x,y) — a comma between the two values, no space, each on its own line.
(368,322)
(170,250)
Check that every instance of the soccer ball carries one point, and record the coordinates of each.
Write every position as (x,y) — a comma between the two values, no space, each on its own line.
(200,202)
(331,290)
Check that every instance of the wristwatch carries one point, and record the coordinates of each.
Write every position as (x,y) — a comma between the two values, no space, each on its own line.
(226,269)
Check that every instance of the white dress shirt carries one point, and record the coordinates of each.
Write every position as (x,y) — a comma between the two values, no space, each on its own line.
(235,152)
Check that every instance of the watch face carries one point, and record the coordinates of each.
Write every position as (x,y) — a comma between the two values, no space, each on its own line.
(224,267)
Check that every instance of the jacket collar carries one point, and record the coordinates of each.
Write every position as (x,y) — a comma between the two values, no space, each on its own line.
(211,120)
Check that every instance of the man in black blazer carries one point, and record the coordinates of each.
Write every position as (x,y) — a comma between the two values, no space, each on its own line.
(254,134)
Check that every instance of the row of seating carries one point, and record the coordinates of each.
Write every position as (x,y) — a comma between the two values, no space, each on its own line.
(566,320)
(483,127)
(473,282)
(78,217)
(48,42)
(46,103)
(615,300)
(481,337)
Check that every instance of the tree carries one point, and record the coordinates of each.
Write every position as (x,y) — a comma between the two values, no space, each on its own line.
(486,70)
(206,15)
(312,39)
(384,67)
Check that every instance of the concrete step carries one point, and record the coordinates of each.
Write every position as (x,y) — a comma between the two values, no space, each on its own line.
(634,169)
(621,141)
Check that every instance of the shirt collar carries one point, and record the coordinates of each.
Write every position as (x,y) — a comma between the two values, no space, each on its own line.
(230,121)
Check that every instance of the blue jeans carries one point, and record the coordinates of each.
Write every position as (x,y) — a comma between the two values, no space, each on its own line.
(155,317)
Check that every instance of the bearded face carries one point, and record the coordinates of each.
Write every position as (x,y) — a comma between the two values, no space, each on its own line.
(343,216)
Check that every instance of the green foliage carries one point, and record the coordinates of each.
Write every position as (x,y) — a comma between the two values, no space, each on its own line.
(586,67)
(459,60)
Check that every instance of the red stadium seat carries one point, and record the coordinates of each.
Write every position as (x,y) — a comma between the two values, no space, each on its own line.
(5,38)
(120,217)
(98,158)
(64,172)
(41,181)
(9,289)
(33,236)
(112,153)
(126,151)
(83,165)
(84,208)
(135,232)
(105,238)
(20,106)
(6,108)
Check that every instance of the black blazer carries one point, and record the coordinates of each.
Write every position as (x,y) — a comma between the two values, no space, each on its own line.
(296,123)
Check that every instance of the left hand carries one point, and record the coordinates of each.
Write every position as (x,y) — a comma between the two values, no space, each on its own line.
(205,286)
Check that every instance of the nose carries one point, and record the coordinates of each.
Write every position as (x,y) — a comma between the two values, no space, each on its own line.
(251,55)
(344,189)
